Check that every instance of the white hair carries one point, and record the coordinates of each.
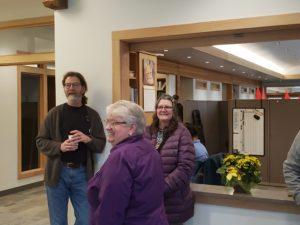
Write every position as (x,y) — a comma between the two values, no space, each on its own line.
(130,112)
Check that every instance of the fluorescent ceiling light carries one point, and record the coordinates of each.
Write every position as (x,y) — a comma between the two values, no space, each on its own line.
(246,54)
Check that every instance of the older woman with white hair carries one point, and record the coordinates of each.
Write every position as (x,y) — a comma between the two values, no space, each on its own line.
(129,187)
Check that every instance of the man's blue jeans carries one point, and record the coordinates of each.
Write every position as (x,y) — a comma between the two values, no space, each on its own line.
(72,184)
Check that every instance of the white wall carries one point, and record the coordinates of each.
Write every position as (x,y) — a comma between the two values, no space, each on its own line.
(26,40)
(172,84)
(16,9)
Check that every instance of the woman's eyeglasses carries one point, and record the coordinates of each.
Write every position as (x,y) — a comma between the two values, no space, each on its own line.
(164,107)
(114,123)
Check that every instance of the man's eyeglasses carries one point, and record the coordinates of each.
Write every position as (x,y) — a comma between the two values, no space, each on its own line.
(74,85)
(114,123)
(164,107)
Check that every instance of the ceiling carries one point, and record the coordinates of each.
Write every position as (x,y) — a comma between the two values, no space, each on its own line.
(285,54)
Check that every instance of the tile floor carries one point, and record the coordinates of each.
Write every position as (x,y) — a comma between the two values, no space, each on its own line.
(28,207)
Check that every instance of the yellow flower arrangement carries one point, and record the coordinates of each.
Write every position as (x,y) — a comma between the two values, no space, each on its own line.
(240,170)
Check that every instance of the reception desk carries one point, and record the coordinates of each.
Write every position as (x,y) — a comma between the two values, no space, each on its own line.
(262,198)
(265,205)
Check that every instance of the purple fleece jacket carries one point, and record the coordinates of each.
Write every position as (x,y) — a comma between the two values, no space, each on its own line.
(129,187)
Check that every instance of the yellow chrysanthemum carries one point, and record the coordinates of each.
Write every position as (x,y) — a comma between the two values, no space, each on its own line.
(240,169)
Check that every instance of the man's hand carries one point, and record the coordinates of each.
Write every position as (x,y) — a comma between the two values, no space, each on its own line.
(78,136)
(69,145)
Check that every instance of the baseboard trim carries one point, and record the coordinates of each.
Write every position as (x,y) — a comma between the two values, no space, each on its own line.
(21,188)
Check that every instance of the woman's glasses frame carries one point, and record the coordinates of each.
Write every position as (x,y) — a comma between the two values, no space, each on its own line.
(166,107)
(114,123)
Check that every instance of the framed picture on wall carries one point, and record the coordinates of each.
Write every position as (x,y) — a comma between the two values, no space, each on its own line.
(201,84)
(149,72)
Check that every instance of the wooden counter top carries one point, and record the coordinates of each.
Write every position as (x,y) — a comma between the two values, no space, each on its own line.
(261,198)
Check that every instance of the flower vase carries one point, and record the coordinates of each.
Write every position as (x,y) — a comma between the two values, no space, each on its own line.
(238,189)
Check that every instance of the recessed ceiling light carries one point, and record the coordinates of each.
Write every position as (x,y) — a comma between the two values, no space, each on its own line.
(166,50)
(243,72)
(221,66)
(207,62)
(233,69)
(189,57)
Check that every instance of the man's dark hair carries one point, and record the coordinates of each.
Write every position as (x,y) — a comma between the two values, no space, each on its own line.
(82,82)
(175,97)
(192,129)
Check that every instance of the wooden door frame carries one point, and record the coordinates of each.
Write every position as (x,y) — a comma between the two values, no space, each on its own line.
(256,29)
(43,110)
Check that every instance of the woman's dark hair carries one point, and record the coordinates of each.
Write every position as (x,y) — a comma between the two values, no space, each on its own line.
(154,127)
(192,129)
(82,82)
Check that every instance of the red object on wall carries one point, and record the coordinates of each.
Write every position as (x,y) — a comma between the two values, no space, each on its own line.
(263,94)
(286,95)
(258,93)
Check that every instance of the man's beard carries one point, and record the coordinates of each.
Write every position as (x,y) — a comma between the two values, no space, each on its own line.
(74,97)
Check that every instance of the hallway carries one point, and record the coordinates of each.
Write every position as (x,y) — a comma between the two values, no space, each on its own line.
(28,207)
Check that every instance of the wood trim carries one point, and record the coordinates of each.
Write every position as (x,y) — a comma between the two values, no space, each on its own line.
(227,31)
(215,39)
(21,188)
(120,84)
(42,73)
(19,103)
(292,77)
(29,69)
(235,27)
(55,4)
(25,59)
(148,116)
(27,23)
(229,92)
